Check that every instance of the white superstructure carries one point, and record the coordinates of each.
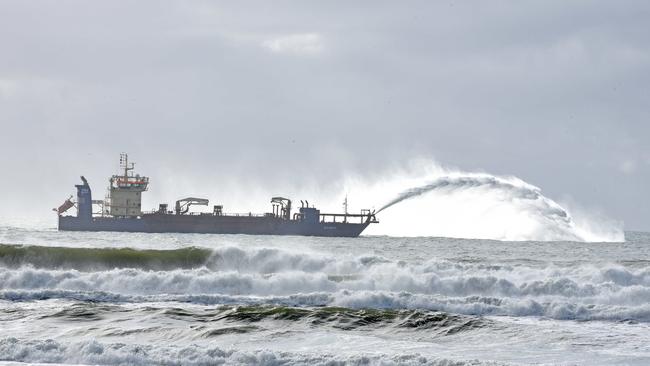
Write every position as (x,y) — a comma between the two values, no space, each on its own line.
(125,191)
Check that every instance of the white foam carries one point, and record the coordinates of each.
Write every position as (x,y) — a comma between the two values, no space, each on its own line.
(582,291)
(98,353)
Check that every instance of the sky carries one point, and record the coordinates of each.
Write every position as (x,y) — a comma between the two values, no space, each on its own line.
(249,99)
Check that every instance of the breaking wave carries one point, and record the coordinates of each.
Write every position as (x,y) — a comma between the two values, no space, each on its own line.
(98,258)
(269,276)
(560,309)
(98,353)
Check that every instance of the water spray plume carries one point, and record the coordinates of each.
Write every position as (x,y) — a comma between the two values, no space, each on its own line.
(481,206)
(469,182)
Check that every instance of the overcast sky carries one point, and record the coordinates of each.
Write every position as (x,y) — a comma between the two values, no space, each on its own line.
(264,95)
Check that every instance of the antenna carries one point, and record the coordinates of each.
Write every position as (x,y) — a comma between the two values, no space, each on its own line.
(124,164)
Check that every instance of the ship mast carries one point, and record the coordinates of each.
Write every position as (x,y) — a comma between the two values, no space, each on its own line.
(124,163)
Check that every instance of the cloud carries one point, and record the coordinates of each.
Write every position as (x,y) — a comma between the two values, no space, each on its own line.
(213,91)
(628,167)
(7,88)
(298,44)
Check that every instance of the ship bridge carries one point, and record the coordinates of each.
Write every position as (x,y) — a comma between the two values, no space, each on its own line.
(124,197)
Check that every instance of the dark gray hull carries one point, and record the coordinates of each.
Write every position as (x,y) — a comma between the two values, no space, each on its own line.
(210,224)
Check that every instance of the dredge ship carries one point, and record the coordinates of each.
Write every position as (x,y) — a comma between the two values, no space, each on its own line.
(121,211)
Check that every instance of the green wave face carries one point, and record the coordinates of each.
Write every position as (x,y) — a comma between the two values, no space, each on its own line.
(349,319)
(241,319)
(102,258)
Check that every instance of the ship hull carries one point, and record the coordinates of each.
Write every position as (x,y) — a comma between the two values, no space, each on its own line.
(210,224)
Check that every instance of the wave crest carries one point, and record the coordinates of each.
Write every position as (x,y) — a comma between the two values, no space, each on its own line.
(102,258)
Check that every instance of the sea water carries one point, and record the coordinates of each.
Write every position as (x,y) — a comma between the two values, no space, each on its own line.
(200,299)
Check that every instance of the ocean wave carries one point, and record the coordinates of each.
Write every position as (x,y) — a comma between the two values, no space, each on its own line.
(94,352)
(481,306)
(270,275)
(101,258)
(560,309)
(253,260)
(239,318)
(431,277)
